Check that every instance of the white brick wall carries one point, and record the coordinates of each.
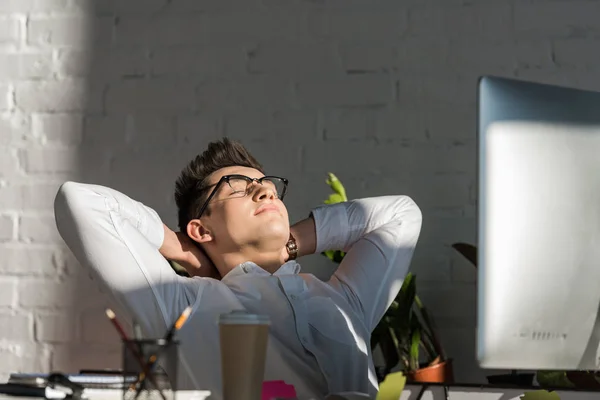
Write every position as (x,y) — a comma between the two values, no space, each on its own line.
(381,92)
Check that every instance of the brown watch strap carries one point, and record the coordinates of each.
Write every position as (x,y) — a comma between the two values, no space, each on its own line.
(292,247)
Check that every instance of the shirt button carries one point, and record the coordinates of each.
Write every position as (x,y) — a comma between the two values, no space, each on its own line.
(294,297)
(303,339)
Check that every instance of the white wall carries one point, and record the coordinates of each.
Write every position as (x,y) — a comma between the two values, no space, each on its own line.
(380,92)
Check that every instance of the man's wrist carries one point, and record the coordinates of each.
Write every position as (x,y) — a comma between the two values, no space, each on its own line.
(292,247)
(166,247)
(305,236)
(171,247)
(182,252)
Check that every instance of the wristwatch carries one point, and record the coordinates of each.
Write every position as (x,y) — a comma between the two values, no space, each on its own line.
(292,247)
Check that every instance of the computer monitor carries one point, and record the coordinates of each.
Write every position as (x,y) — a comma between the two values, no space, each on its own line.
(538,226)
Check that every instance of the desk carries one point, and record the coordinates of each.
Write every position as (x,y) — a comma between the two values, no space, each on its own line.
(485,392)
(411,392)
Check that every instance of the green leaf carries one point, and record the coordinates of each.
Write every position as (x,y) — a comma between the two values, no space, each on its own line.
(334,198)
(540,395)
(551,378)
(178,268)
(338,256)
(392,387)
(428,349)
(336,185)
(329,254)
(406,296)
(414,349)
(430,328)
(334,255)
(338,196)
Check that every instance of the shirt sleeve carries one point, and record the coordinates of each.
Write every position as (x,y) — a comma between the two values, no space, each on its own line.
(379,235)
(117,239)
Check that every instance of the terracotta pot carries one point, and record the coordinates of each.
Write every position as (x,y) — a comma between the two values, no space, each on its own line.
(439,373)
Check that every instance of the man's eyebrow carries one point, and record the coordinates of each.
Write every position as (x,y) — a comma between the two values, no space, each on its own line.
(203,188)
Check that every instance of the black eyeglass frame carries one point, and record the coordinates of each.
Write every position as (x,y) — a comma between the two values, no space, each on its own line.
(226,178)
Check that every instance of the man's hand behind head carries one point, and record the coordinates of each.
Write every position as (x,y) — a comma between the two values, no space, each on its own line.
(178,247)
(196,262)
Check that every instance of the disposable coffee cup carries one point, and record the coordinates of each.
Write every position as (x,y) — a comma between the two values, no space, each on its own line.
(243,338)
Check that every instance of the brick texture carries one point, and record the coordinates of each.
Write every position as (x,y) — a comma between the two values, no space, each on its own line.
(10,31)
(8,291)
(5,96)
(7,227)
(381,93)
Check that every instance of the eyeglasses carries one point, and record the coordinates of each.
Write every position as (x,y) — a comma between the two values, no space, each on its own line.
(232,186)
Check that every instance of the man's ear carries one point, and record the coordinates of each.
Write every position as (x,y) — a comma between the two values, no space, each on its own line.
(198,232)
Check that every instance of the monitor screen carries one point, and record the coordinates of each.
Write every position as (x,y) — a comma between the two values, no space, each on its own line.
(539,226)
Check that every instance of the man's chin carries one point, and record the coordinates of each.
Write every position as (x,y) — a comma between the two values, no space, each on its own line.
(271,237)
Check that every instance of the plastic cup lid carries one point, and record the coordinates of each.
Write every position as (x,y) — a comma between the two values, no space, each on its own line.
(238,317)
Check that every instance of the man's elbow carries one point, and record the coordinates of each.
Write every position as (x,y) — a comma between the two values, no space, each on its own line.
(409,210)
(65,202)
(411,220)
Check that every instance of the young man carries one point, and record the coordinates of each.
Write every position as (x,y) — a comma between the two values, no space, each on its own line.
(230,211)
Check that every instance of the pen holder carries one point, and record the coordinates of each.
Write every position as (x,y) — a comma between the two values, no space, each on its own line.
(150,369)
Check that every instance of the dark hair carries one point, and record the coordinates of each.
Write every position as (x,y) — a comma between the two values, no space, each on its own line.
(190,188)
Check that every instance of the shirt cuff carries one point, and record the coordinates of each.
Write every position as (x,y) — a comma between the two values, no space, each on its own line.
(331,226)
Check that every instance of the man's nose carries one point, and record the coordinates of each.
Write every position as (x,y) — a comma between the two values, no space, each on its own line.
(262,192)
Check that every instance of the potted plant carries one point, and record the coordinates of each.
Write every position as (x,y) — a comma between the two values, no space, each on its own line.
(406,328)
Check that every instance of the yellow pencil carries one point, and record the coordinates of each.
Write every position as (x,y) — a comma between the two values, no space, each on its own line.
(179,323)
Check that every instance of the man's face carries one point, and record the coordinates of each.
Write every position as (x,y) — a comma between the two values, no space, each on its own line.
(253,219)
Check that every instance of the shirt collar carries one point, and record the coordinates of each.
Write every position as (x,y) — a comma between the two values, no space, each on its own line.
(250,268)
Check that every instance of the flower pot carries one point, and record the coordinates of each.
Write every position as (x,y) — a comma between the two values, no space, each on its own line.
(439,373)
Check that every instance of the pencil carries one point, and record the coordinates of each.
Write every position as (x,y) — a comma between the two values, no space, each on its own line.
(113,318)
(179,323)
